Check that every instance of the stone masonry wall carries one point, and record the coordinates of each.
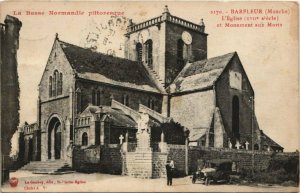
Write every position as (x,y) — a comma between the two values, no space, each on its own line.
(159,165)
(111,160)
(86,160)
(177,154)
(243,158)
(139,164)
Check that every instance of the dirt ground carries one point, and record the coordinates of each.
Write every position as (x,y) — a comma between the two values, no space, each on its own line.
(77,182)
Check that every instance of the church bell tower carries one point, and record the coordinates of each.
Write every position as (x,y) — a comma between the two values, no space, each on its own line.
(164,44)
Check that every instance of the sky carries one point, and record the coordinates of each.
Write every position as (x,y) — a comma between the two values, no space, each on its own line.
(269,54)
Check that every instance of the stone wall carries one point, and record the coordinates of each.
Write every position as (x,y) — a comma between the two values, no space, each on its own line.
(144,164)
(159,165)
(243,158)
(105,159)
(86,160)
(111,160)
(139,164)
(177,154)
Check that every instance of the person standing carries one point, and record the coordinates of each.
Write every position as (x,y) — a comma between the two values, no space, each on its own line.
(169,173)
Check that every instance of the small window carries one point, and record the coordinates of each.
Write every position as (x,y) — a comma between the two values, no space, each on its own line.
(54,81)
(151,104)
(125,100)
(84,139)
(50,86)
(180,47)
(139,51)
(148,52)
(98,102)
(93,97)
(60,84)
(78,100)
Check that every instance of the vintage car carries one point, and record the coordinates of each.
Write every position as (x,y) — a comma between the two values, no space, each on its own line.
(216,170)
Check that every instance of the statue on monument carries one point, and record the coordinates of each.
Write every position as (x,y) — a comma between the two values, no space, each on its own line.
(143,123)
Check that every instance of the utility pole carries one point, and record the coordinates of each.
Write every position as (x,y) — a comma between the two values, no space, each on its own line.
(186,134)
(252,133)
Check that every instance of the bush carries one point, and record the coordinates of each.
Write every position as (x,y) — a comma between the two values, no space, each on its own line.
(281,170)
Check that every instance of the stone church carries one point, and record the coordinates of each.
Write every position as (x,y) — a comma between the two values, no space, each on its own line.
(90,99)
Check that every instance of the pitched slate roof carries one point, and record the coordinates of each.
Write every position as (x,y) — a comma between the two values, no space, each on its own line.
(200,74)
(266,140)
(197,133)
(108,69)
(117,117)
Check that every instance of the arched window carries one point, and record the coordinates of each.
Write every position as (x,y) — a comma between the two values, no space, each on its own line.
(180,47)
(93,97)
(98,98)
(54,84)
(60,83)
(84,139)
(50,86)
(78,100)
(236,117)
(139,51)
(148,53)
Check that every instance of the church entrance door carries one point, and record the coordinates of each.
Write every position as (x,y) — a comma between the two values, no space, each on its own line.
(30,149)
(54,139)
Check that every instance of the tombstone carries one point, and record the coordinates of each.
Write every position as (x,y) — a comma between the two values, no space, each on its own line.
(237,145)
(229,144)
(247,145)
(162,137)
(126,137)
(121,139)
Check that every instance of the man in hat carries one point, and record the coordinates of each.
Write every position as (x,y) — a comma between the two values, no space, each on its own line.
(169,173)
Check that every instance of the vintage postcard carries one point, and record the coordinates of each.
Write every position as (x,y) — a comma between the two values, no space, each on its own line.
(163,96)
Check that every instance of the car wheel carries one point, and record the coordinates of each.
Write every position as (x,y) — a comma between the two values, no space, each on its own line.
(193,180)
(207,181)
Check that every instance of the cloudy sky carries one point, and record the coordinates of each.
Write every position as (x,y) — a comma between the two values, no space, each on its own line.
(268,54)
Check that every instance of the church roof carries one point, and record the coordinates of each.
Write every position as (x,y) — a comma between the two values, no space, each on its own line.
(104,68)
(117,117)
(266,140)
(197,133)
(200,74)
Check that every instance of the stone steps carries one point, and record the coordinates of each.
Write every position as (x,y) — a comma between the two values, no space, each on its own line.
(48,167)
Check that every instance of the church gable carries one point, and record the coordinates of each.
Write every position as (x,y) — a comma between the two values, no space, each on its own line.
(200,75)
(235,99)
(57,76)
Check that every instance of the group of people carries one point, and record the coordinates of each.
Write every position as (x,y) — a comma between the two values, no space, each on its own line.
(170,169)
